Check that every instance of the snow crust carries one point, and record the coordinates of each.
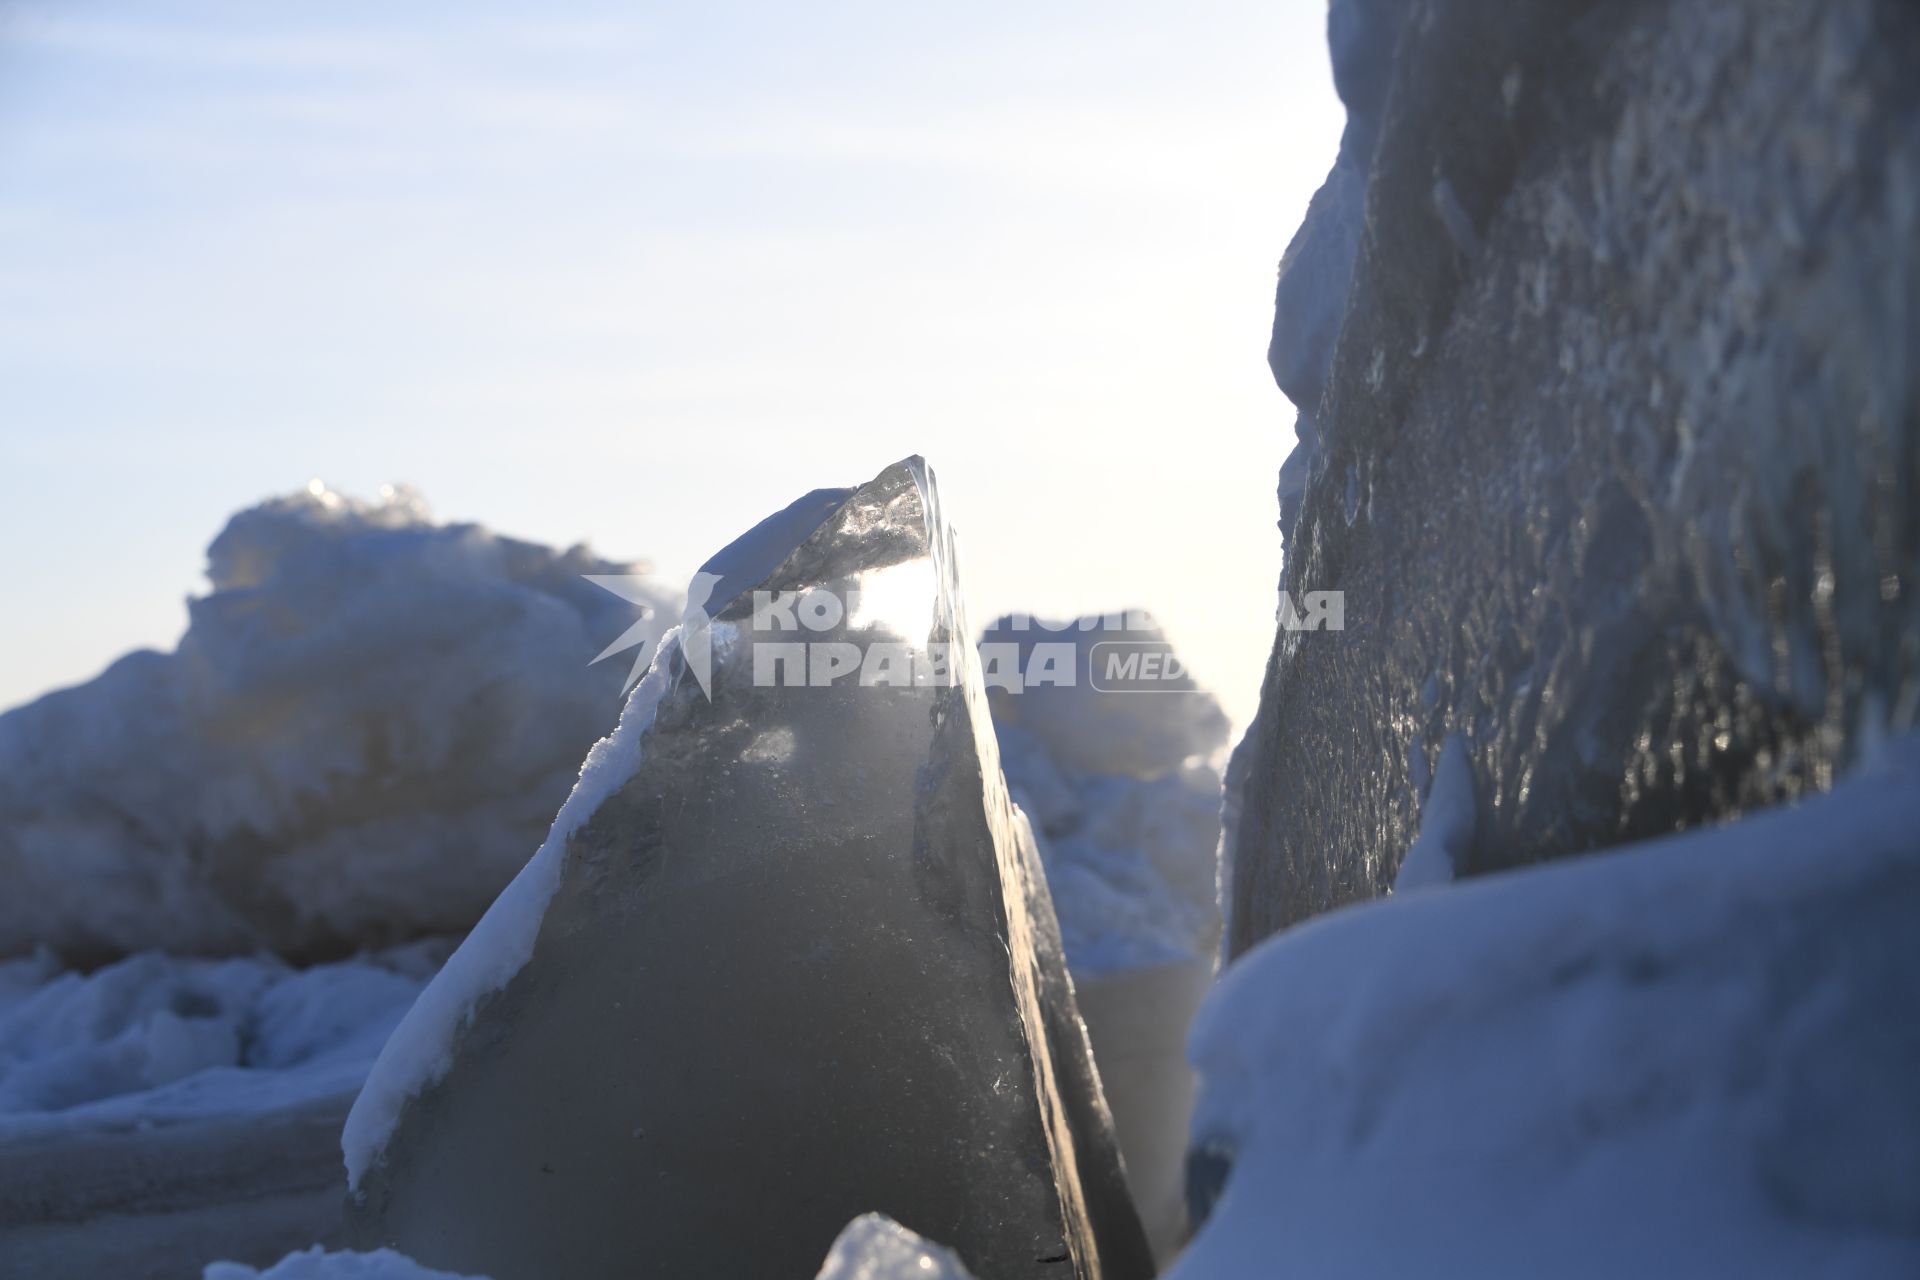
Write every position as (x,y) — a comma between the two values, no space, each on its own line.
(369,721)
(875,1247)
(156,1039)
(1691,1057)
(421,1049)
(317,1264)
(1124,796)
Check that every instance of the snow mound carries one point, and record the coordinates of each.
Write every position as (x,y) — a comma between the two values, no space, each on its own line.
(1124,796)
(875,1247)
(370,720)
(1691,1057)
(317,1264)
(157,1039)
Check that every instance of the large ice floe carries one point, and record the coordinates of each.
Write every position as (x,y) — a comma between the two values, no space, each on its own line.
(369,721)
(1692,1057)
(787,958)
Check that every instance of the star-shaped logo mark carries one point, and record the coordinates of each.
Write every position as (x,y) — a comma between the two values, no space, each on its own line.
(632,588)
(696,632)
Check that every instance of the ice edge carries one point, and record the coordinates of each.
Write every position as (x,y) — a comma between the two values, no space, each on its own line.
(420,1050)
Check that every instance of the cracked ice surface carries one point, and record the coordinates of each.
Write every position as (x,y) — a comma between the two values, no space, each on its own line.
(787,958)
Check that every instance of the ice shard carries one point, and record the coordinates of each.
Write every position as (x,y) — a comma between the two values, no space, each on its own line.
(787,958)
(875,1247)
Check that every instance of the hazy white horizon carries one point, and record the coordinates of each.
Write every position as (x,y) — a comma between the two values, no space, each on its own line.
(639,276)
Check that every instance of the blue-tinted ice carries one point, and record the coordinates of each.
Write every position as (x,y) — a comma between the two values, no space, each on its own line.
(800,966)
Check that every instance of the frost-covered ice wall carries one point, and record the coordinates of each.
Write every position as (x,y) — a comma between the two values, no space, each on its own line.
(1603,334)
(364,732)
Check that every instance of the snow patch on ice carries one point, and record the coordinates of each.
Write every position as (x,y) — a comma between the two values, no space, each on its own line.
(317,1264)
(421,1050)
(875,1247)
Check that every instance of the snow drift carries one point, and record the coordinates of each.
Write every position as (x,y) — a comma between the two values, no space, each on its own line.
(1695,1057)
(367,726)
(158,1039)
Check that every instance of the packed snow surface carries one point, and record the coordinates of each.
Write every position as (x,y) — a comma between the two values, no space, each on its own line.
(1690,1057)
(370,720)
(317,1264)
(875,1247)
(158,1039)
(1124,795)
(421,1049)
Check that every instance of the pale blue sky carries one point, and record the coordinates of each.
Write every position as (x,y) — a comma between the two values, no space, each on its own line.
(640,274)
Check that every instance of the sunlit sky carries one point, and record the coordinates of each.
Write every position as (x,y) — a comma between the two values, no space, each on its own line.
(640,274)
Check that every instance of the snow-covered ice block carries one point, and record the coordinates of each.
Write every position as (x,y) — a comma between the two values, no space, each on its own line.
(1134,735)
(875,1247)
(1122,789)
(1695,1057)
(317,1264)
(369,721)
(786,957)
